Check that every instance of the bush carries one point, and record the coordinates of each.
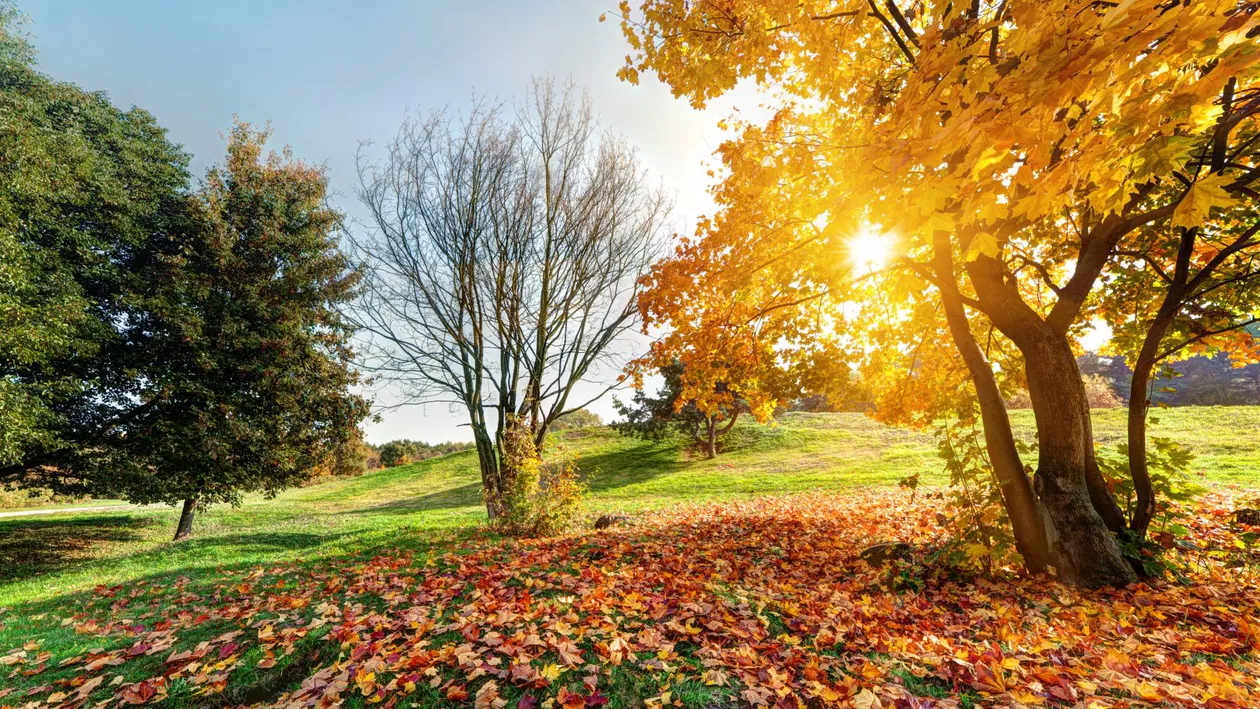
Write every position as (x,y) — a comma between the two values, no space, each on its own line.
(582,418)
(538,500)
(1099,392)
(405,451)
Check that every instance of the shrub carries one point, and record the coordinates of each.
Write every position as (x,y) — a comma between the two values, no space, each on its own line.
(402,452)
(1100,393)
(582,418)
(538,499)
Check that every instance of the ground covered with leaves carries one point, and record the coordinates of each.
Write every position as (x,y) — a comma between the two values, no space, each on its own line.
(764,602)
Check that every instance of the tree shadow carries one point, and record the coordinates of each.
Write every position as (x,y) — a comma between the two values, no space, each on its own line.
(29,547)
(251,542)
(463,496)
(614,469)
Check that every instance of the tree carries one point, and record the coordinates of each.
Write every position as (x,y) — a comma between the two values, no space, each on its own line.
(582,418)
(1190,285)
(652,418)
(503,260)
(248,385)
(90,194)
(1008,149)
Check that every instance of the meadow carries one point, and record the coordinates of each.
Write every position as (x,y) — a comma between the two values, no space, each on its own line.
(108,587)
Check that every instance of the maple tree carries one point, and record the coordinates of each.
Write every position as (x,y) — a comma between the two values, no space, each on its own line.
(1008,150)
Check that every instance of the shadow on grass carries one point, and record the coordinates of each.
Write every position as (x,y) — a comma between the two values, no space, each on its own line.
(630,466)
(35,546)
(248,543)
(463,496)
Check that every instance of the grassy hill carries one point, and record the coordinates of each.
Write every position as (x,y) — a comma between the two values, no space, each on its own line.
(411,504)
(394,571)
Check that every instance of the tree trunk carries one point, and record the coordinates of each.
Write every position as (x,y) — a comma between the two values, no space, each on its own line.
(1099,491)
(1027,522)
(184,528)
(710,437)
(488,462)
(1142,368)
(1138,404)
(1088,551)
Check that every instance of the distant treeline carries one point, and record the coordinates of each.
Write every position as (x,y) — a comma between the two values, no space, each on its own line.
(1195,381)
(404,451)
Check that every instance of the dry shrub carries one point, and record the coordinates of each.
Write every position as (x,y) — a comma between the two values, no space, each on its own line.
(539,499)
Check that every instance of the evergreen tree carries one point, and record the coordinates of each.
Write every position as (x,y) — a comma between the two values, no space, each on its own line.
(249,378)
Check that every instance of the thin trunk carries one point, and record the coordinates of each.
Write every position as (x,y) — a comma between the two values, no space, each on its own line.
(711,443)
(184,528)
(1088,551)
(1139,402)
(1142,369)
(1027,522)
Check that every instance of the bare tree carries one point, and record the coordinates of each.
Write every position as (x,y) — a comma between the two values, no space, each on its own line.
(503,253)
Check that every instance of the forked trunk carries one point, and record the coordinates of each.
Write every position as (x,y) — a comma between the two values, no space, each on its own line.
(1032,538)
(710,444)
(1088,552)
(184,528)
(1099,491)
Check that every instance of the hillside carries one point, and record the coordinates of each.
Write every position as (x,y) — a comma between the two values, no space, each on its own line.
(410,503)
(369,589)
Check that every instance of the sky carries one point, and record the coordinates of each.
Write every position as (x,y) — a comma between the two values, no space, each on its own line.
(329,74)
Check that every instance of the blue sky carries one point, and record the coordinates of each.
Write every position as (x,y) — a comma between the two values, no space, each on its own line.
(329,74)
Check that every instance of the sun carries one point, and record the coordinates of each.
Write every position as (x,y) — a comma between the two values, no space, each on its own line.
(870,250)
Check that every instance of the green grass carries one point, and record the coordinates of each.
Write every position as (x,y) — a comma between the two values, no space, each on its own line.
(48,562)
(47,555)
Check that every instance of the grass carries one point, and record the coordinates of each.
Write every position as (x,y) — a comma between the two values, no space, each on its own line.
(50,563)
(59,553)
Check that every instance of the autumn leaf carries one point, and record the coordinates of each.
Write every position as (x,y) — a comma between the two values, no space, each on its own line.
(1200,198)
(982,244)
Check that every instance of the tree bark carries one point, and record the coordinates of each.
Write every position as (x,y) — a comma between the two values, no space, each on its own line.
(710,445)
(1088,551)
(1027,522)
(1099,491)
(184,529)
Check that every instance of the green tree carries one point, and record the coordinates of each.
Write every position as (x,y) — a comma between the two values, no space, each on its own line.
(654,417)
(89,194)
(249,380)
(579,418)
